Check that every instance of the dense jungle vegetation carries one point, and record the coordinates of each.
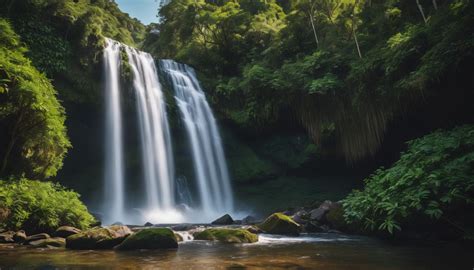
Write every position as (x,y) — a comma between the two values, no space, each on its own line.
(349,73)
(357,78)
(50,55)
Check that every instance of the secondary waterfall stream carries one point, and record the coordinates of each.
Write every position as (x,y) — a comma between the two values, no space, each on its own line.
(205,141)
(161,187)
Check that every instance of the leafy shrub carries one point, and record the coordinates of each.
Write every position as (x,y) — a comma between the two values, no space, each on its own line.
(33,137)
(432,179)
(41,206)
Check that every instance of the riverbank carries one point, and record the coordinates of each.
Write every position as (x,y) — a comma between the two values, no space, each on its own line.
(308,251)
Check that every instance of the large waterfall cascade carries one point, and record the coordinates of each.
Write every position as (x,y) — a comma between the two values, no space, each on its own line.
(160,184)
(205,141)
(114,172)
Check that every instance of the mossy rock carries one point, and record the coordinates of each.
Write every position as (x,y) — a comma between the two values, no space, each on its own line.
(98,238)
(227,235)
(57,242)
(178,236)
(153,238)
(335,218)
(66,231)
(279,223)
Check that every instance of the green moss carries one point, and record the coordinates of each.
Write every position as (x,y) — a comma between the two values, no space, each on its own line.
(245,164)
(279,223)
(89,239)
(49,242)
(227,235)
(153,238)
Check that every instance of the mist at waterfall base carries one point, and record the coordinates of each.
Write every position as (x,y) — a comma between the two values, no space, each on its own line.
(159,193)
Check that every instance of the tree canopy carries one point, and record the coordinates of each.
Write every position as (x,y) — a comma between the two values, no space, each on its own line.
(344,69)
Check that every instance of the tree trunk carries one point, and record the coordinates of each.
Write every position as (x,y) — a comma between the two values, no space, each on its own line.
(356,42)
(435,5)
(314,29)
(421,11)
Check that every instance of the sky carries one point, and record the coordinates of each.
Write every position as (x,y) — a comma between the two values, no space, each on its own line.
(144,10)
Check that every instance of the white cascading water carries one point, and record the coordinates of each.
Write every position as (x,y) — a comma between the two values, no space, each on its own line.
(209,161)
(114,173)
(160,185)
(155,139)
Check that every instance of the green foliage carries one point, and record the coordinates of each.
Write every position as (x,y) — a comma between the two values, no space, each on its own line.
(41,207)
(34,141)
(65,40)
(261,63)
(432,179)
(54,52)
(247,166)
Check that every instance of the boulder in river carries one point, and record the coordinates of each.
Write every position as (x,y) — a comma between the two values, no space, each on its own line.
(335,217)
(152,238)
(183,227)
(98,237)
(249,220)
(253,229)
(7,237)
(65,231)
(57,242)
(279,223)
(301,217)
(319,213)
(226,235)
(19,236)
(313,227)
(35,237)
(224,220)
(178,236)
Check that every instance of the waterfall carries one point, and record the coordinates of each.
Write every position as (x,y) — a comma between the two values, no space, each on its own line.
(154,131)
(114,171)
(206,145)
(165,199)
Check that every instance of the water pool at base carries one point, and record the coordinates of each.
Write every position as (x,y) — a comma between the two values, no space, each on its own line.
(317,251)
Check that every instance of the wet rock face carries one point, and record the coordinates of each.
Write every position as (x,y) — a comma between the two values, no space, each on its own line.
(319,213)
(65,231)
(152,238)
(227,235)
(98,237)
(55,242)
(7,237)
(279,223)
(250,220)
(301,217)
(35,237)
(224,220)
(20,236)
(183,227)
